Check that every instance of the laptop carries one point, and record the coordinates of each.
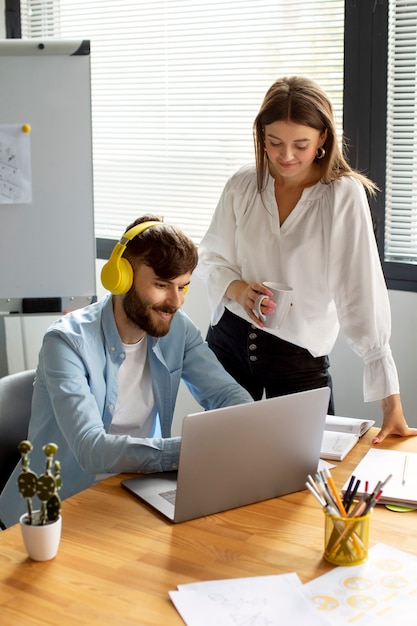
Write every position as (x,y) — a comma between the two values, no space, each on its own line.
(237,455)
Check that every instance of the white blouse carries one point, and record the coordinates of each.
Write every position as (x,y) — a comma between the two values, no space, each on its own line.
(325,250)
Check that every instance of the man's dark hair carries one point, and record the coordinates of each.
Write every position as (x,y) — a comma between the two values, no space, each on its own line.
(164,248)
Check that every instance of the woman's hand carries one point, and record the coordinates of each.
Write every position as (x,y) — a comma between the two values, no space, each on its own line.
(246,293)
(393,420)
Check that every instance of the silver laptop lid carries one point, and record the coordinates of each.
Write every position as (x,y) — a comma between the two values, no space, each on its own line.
(238,455)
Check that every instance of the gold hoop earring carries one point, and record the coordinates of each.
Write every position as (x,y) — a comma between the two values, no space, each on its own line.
(320,153)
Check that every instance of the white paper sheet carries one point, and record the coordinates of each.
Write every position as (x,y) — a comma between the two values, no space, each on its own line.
(377,464)
(15,164)
(371,593)
(254,601)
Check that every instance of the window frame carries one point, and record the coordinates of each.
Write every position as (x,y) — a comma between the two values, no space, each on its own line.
(12,19)
(365,114)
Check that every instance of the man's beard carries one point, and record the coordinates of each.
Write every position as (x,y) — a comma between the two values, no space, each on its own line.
(138,312)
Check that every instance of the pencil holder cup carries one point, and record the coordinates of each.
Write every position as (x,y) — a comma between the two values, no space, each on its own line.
(346,539)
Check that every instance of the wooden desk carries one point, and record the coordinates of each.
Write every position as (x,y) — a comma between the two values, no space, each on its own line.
(118,559)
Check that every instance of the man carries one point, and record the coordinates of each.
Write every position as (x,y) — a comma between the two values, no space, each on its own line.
(108,374)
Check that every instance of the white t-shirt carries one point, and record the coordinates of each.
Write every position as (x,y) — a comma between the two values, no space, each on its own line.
(325,250)
(135,408)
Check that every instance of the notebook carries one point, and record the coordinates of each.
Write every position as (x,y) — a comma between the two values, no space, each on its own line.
(377,465)
(234,456)
(341,434)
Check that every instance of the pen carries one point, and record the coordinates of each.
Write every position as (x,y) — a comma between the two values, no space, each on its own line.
(405,469)
(352,495)
(348,490)
(325,489)
(316,495)
(380,485)
(335,493)
(372,501)
(373,497)
(326,505)
(321,496)
(359,508)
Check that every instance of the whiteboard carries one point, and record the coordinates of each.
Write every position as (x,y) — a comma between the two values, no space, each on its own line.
(47,249)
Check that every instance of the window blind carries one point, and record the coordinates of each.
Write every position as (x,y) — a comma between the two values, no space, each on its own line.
(401,162)
(176,85)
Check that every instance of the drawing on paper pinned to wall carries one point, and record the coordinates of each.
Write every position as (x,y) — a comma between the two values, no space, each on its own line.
(15,164)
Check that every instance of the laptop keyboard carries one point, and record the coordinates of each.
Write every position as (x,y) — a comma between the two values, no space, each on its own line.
(169,495)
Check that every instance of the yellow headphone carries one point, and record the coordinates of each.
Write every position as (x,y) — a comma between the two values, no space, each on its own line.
(117,273)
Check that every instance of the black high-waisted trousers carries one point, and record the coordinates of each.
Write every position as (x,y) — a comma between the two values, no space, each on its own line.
(263,363)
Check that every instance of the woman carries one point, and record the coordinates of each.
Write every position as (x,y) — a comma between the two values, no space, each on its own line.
(299,216)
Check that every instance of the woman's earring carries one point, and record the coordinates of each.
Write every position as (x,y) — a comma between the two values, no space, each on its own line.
(320,153)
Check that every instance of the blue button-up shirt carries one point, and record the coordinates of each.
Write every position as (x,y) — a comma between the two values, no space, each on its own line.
(75,397)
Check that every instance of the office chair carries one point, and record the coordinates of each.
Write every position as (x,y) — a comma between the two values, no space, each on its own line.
(15,407)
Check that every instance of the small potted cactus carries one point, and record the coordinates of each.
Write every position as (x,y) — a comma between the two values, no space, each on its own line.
(41,528)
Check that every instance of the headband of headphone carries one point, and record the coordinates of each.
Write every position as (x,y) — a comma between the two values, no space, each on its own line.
(117,273)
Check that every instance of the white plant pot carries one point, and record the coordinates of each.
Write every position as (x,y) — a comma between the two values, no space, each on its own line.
(41,541)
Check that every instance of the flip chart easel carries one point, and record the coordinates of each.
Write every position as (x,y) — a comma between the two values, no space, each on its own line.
(48,250)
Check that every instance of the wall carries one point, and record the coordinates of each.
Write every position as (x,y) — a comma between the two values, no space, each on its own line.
(347,367)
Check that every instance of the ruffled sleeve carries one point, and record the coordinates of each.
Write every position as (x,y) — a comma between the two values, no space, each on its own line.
(359,290)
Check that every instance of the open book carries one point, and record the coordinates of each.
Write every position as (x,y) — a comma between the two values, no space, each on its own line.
(341,434)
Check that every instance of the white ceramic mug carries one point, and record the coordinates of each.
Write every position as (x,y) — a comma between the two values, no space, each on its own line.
(282,296)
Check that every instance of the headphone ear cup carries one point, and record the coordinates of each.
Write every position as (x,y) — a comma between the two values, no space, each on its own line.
(126,277)
(117,275)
